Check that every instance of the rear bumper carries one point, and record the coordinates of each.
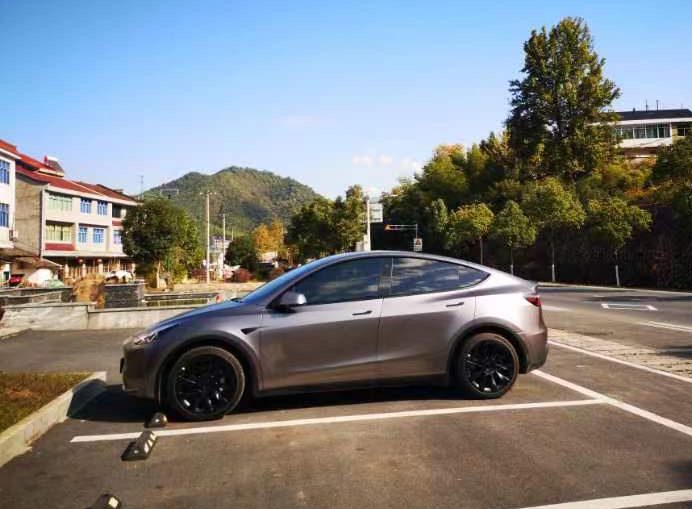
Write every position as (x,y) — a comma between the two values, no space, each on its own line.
(536,349)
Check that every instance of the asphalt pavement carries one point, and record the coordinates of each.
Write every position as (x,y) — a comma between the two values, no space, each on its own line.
(582,429)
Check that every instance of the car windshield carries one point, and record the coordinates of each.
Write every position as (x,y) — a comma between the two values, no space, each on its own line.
(269,288)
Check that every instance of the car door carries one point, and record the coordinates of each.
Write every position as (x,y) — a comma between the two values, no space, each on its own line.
(428,302)
(333,337)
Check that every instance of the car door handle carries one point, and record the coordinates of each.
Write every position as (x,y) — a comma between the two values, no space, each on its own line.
(363,313)
(455,304)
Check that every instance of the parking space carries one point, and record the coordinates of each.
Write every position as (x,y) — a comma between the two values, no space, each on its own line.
(581,429)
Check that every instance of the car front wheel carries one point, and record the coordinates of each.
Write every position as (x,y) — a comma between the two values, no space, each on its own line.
(487,366)
(205,383)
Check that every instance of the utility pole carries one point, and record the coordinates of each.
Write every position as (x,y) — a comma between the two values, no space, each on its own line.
(141,187)
(206,268)
(367,222)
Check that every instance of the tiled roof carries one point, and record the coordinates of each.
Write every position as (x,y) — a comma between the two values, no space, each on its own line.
(107,191)
(654,114)
(8,147)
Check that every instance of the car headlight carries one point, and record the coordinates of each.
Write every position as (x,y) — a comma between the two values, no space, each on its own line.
(150,335)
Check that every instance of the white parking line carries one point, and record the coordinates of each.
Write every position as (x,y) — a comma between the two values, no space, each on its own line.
(646,499)
(627,306)
(669,326)
(663,421)
(340,419)
(620,361)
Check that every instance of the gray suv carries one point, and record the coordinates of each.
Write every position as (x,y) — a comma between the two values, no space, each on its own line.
(353,319)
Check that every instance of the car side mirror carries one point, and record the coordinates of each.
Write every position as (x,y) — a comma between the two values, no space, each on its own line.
(292,299)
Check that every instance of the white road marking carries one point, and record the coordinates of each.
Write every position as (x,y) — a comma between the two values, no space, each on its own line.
(646,499)
(617,403)
(340,419)
(553,308)
(627,306)
(620,361)
(670,326)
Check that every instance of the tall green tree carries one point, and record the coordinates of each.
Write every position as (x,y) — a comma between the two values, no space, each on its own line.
(159,232)
(612,221)
(348,216)
(672,174)
(553,208)
(472,223)
(435,227)
(443,176)
(242,250)
(312,230)
(559,123)
(514,229)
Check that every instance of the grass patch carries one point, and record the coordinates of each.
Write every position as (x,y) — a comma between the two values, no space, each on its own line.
(24,393)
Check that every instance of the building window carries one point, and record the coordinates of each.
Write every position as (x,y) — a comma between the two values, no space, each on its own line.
(102,208)
(85,206)
(117,211)
(83,234)
(4,172)
(626,133)
(59,202)
(117,237)
(4,215)
(58,233)
(684,129)
(98,235)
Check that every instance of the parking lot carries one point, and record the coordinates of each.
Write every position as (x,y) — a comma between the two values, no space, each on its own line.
(581,429)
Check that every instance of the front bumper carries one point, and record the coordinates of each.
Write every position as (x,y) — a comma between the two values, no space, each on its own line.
(136,367)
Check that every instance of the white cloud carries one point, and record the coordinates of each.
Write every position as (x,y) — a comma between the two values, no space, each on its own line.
(384,160)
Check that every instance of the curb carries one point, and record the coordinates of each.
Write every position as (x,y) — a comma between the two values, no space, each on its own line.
(549,284)
(16,439)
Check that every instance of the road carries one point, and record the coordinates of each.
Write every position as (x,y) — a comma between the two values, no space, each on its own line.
(655,319)
(584,428)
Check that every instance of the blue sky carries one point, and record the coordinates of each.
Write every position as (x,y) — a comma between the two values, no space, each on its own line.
(329,93)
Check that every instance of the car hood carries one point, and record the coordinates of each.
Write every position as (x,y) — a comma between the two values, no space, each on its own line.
(227,308)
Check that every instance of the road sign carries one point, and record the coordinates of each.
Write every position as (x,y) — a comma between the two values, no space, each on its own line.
(375,212)
(418,245)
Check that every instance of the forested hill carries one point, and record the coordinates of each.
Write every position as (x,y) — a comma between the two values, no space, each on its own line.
(247,196)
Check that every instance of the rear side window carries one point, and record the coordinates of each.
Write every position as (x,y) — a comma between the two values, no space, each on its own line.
(417,275)
(347,281)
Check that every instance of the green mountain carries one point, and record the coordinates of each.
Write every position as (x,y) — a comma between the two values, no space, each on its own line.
(247,196)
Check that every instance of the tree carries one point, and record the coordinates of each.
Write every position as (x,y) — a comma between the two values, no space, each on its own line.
(471,223)
(443,176)
(613,221)
(242,251)
(437,227)
(552,207)
(158,231)
(673,175)
(559,124)
(514,229)
(347,217)
(311,230)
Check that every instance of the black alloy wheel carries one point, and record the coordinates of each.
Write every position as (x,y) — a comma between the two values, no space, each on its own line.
(488,366)
(205,383)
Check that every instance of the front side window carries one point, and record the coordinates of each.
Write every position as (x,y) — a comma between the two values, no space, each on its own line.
(85,206)
(59,202)
(117,237)
(684,129)
(4,172)
(83,233)
(347,281)
(98,235)
(58,233)
(412,276)
(102,208)
(4,215)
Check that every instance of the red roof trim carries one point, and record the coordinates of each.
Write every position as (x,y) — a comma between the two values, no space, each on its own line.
(9,147)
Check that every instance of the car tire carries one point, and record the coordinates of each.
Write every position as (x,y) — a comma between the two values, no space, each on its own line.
(487,366)
(205,383)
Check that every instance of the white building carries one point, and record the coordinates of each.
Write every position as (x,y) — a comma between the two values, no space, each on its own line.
(643,132)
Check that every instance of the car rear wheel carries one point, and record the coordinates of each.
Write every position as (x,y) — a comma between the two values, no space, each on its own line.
(487,366)
(205,383)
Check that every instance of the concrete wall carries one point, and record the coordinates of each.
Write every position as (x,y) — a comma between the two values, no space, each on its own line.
(28,214)
(125,295)
(75,316)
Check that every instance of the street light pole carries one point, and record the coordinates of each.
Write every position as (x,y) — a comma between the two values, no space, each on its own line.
(206,268)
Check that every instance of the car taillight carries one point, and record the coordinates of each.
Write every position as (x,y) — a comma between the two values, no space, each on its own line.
(534,299)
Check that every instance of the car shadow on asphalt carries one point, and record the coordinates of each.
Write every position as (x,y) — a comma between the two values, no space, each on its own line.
(116,406)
